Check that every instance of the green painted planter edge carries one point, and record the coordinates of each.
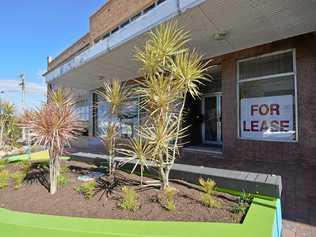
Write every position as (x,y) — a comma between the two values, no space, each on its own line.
(259,222)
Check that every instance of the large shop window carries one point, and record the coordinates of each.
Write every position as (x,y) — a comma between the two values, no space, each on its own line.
(267,97)
(82,108)
(128,119)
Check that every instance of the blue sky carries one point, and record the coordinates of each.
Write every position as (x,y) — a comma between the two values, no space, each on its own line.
(30,31)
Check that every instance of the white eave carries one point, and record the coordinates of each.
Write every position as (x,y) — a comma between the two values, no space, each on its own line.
(247,23)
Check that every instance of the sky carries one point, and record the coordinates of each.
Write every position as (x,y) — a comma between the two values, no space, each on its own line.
(31,30)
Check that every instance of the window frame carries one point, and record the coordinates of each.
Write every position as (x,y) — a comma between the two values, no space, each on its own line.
(280,75)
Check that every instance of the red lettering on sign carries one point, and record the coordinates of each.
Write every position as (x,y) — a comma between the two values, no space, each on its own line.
(275,108)
(264,126)
(254,125)
(264,109)
(274,126)
(245,127)
(254,108)
(284,125)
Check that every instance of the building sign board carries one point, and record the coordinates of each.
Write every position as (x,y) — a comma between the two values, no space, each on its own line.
(267,118)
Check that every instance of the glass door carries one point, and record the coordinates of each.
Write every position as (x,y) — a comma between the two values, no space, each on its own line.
(212,119)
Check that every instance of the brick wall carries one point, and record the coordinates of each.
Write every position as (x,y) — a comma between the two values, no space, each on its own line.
(304,151)
(69,52)
(113,13)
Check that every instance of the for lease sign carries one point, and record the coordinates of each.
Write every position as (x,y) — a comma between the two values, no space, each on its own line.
(267,118)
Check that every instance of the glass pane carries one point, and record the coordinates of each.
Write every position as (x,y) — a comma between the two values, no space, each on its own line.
(267,87)
(215,83)
(102,116)
(268,65)
(129,119)
(267,109)
(210,119)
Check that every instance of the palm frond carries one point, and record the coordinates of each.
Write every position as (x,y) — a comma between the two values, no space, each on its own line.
(54,125)
(158,94)
(189,70)
(61,96)
(166,41)
(115,93)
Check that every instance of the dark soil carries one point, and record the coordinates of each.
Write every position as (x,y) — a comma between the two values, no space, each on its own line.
(34,197)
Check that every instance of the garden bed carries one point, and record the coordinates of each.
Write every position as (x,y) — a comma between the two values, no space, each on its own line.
(33,196)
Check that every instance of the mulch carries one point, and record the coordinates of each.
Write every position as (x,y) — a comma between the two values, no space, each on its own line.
(34,197)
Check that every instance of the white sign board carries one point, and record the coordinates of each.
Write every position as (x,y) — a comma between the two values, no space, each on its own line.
(267,118)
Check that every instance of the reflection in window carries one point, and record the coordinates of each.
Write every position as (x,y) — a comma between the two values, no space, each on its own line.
(82,109)
(127,120)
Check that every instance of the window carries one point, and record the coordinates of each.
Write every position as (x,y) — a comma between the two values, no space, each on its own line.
(82,109)
(128,120)
(267,97)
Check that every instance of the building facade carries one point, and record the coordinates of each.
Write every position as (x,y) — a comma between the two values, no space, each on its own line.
(257,113)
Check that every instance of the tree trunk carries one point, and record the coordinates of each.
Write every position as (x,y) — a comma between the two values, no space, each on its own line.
(164,178)
(179,126)
(1,135)
(141,175)
(54,169)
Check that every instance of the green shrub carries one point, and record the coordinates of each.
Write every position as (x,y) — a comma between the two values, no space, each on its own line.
(207,198)
(63,179)
(4,178)
(64,170)
(170,193)
(239,208)
(207,185)
(243,203)
(18,178)
(87,189)
(3,163)
(209,201)
(26,166)
(129,199)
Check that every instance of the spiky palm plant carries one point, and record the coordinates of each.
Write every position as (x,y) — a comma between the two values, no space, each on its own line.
(55,124)
(170,71)
(116,94)
(139,151)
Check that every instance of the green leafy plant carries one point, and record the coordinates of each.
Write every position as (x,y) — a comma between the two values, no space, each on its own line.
(87,189)
(64,169)
(18,178)
(170,73)
(207,185)
(26,166)
(170,193)
(63,177)
(4,178)
(239,208)
(116,94)
(129,199)
(207,197)
(3,163)
(138,150)
(243,203)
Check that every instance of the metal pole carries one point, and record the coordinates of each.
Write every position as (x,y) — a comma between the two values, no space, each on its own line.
(22,84)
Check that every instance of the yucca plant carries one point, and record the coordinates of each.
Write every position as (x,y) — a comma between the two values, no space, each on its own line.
(138,150)
(171,72)
(55,124)
(116,94)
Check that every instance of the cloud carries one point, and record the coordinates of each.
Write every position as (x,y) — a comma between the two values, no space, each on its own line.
(31,88)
